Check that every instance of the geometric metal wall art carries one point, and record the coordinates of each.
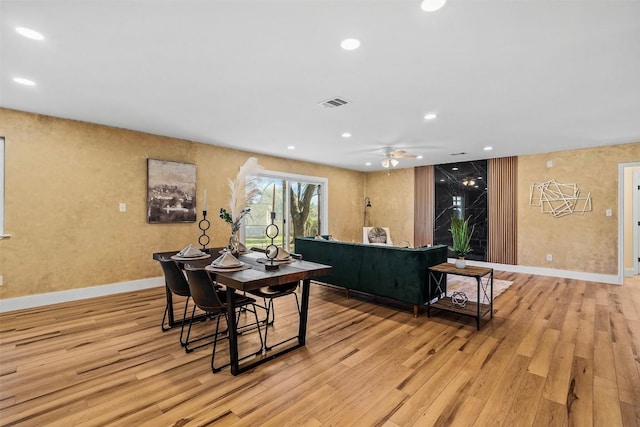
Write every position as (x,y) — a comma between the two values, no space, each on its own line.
(558,199)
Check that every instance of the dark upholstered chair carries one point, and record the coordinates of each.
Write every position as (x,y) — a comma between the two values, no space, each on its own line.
(268,294)
(177,284)
(213,301)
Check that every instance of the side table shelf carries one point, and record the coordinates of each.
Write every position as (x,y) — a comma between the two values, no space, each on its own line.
(484,279)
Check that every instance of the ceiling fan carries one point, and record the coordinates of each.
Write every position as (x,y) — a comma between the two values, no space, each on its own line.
(391,156)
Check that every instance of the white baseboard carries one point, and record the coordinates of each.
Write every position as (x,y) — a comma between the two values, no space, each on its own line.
(541,271)
(629,272)
(30,301)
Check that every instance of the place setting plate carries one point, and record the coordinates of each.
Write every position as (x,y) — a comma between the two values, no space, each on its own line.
(190,258)
(265,260)
(223,269)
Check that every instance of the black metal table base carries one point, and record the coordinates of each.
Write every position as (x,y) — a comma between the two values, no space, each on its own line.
(235,366)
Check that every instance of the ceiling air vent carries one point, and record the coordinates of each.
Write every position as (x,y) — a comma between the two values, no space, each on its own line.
(462,153)
(334,102)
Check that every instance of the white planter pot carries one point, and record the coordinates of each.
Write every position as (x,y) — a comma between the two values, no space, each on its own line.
(460,263)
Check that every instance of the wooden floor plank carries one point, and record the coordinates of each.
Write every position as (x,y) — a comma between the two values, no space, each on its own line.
(559,375)
(606,406)
(541,359)
(525,401)
(580,395)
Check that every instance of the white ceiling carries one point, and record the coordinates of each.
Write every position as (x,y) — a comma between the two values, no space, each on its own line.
(521,76)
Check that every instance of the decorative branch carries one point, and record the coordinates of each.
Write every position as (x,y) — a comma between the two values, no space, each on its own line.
(243,188)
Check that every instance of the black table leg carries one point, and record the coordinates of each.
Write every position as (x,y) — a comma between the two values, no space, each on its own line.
(478,303)
(233,338)
(304,311)
(233,332)
(491,284)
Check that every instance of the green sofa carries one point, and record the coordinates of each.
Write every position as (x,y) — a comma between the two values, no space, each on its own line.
(391,272)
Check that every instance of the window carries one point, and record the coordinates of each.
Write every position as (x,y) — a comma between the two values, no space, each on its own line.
(300,204)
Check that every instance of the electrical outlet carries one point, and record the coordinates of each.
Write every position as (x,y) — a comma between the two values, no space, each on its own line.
(123,207)
(549,257)
(1,281)
(608,212)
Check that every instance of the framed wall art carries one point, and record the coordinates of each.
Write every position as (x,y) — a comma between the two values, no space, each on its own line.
(171,192)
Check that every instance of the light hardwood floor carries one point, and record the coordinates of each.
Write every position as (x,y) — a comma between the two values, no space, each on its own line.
(557,352)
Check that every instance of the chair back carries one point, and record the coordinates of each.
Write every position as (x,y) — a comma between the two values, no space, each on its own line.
(174,278)
(203,291)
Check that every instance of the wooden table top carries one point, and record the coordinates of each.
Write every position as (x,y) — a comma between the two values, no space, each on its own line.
(469,270)
(257,276)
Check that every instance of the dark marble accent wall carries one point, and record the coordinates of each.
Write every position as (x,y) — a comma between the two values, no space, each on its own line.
(461,190)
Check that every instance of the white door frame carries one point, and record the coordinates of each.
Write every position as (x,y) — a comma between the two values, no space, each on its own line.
(636,221)
(621,206)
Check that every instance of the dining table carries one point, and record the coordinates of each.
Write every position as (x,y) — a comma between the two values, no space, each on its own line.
(253,277)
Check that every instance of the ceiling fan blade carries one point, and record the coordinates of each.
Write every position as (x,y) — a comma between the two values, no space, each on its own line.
(402,154)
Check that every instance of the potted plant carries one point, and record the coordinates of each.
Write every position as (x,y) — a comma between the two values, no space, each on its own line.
(461,234)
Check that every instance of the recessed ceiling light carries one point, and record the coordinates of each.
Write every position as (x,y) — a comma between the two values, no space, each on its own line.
(368,164)
(29,33)
(432,5)
(454,169)
(419,157)
(442,180)
(346,135)
(488,148)
(24,81)
(291,147)
(350,44)
(430,116)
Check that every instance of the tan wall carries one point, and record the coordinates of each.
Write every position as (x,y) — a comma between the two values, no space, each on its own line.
(628,216)
(588,242)
(64,180)
(391,194)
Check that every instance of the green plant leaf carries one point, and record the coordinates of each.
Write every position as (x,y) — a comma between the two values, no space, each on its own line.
(461,235)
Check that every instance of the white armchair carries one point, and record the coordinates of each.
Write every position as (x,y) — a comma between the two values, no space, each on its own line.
(376,236)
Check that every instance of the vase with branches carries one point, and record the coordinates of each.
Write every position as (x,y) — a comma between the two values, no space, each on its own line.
(243,191)
(461,235)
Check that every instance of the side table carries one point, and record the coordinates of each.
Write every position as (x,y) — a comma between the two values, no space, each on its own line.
(484,279)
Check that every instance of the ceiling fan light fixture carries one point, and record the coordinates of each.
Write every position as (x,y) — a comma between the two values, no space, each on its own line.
(432,5)
(394,162)
(385,163)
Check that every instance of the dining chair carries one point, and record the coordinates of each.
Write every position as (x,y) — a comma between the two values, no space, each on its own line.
(213,301)
(177,284)
(268,294)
